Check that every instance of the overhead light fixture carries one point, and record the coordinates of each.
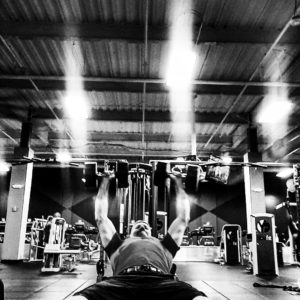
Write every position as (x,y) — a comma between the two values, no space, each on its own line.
(4,167)
(285,173)
(75,100)
(227,159)
(274,109)
(75,104)
(180,68)
(63,157)
(295,21)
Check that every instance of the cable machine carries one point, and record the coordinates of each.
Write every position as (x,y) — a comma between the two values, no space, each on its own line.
(140,193)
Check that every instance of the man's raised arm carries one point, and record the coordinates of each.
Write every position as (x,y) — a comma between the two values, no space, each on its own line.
(177,228)
(105,225)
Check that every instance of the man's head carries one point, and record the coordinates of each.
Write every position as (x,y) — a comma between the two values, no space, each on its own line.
(57,215)
(140,229)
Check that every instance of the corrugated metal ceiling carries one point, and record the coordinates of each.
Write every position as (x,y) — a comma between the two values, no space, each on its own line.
(122,64)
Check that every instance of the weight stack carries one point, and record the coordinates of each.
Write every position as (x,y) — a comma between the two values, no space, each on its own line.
(122,174)
(90,174)
(192,179)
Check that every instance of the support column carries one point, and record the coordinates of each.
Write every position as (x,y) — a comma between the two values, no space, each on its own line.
(17,208)
(254,187)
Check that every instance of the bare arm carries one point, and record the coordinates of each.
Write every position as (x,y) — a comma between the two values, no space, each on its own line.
(105,225)
(177,228)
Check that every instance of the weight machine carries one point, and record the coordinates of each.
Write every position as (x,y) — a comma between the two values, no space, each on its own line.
(231,244)
(291,247)
(132,188)
(263,245)
(83,238)
(2,230)
(139,198)
(37,240)
(296,223)
(56,256)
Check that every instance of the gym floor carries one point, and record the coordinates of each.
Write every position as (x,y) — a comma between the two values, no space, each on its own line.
(25,281)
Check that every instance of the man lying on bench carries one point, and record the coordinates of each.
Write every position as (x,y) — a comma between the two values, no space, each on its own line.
(141,264)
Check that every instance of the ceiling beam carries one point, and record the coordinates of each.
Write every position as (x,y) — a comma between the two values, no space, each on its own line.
(101,149)
(120,136)
(39,114)
(64,79)
(131,116)
(135,85)
(99,156)
(135,32)
(137,137)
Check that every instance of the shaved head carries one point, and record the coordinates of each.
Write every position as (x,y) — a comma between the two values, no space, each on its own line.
(140,229)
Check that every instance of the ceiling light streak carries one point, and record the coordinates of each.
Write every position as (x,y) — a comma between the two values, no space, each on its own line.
(75,101)
(274,109)
(50,108)
(273,114)
(4,167)
(282,32)
(63,156)
(180,71)
(285,173)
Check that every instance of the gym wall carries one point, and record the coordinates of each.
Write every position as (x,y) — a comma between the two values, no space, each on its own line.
(217,204)
(62,190)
